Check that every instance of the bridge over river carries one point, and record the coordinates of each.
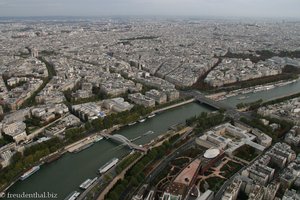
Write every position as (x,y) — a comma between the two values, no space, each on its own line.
(122,139)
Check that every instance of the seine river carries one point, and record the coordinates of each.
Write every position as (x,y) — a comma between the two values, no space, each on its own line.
(66,174)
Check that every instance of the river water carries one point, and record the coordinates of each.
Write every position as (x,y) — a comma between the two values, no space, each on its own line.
(66,174)
(277,92)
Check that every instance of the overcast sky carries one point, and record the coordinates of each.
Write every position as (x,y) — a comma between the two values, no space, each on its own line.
(232,8)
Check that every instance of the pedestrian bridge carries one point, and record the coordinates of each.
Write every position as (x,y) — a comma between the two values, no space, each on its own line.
(122,139)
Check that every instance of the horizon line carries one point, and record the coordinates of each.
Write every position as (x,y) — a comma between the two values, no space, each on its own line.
(157,16)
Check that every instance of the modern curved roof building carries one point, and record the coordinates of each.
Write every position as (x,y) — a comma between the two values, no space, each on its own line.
(211,153)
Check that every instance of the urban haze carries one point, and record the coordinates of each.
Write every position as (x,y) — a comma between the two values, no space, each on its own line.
(150,99)
(221,8)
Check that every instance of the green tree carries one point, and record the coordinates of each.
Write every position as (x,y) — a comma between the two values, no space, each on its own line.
(134,181)
(113,195)
(28,159)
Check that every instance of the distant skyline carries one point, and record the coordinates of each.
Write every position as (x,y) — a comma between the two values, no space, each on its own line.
(218,8)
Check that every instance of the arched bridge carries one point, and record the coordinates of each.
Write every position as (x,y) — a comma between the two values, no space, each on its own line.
(122,139)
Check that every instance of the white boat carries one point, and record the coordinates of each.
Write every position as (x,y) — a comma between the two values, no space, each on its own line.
(231,95)
(87,183)
(269,87)
(73,196)
(30,172)
(246,91)
(84,147)
(258,90)
(243,97)
(221,98)
(148,133)
(132,123)
(108,165)
(152,115)
(142,120)
(98,138)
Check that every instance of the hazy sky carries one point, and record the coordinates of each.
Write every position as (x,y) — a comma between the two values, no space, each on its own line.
(232,8)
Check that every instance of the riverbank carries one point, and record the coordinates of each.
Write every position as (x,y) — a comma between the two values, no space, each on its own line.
(101,152)
(247,91)
(140,169)
(79,141)
(139,128)
(281,99)
(285,76)
(90,139)
(116,179)
(256,104)
(120,176)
